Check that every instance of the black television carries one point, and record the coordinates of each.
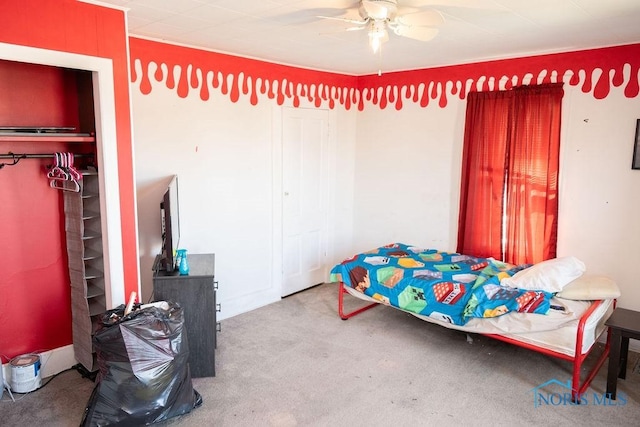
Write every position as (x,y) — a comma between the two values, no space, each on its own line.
(170,217)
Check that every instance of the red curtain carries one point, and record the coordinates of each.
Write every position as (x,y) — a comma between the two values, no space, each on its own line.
(509,192)
(483,173)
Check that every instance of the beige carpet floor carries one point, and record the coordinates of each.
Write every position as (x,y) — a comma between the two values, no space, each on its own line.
(295,363)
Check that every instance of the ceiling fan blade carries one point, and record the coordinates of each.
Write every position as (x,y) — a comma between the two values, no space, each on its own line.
(455,4)
(429,17)
(377,10)
(347,20)
(418,3)
(403,10)
(334,33)
(423,34)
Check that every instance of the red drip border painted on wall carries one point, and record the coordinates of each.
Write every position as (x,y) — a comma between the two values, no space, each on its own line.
(191,71)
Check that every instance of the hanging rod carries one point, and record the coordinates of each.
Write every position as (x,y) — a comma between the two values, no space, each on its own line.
(17,157)
(12,156)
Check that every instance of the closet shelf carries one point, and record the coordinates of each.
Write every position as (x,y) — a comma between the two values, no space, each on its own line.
(91,254)
(44,137)
(87,214)
(94,291)
(92,235)
(96,307)
(92,273)
(86,260)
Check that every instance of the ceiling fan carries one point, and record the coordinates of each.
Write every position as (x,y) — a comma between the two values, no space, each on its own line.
(414,21)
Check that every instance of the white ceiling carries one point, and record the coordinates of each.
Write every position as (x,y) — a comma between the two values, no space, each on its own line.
(289,31)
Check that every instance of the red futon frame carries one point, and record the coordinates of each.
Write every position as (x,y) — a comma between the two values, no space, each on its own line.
(577,389)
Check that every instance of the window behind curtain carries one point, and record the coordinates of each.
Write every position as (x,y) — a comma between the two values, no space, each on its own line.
(509,191)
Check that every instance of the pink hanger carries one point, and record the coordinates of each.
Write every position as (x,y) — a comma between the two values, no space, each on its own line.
(72,170)
(63,173)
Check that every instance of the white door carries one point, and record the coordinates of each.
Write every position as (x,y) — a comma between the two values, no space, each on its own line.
(304,200)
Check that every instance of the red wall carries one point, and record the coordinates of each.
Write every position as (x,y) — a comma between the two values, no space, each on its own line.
(26,306)
(35,276)
(35,308)
(37,95)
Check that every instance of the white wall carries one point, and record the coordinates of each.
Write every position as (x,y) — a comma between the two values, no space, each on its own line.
(408,179)
(223,154)
(397,178)
(408,175)
(600,193)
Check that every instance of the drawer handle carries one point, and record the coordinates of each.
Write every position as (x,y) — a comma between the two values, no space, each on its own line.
(219,327)
(215,284)
(218,307)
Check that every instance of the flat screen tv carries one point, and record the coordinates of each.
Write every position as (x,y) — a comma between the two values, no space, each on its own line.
(170,216)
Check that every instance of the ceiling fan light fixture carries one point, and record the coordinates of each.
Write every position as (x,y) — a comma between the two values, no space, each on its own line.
(374,42)
(416,21)
(377,35)
(378,9)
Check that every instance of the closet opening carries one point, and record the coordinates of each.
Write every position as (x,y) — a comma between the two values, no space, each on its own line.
(53,102)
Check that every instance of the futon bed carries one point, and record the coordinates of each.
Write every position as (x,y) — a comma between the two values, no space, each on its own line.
(550,307)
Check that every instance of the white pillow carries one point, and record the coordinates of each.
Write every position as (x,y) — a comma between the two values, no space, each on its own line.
(551,275)
(590,288)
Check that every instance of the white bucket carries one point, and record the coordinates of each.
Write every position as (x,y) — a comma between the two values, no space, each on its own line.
(25,373)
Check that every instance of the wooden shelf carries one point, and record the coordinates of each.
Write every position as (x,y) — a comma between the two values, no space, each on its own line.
(45,137)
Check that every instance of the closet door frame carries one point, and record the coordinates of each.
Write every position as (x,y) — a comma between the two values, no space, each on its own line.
(106,151)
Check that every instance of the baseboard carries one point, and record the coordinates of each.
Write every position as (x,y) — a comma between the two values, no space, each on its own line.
(57,360)
(52,362)
(234,306)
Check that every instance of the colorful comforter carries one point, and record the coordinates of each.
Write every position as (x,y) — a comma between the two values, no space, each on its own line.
(446,286)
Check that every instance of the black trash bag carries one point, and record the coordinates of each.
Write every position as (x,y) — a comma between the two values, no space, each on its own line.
(144,375)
